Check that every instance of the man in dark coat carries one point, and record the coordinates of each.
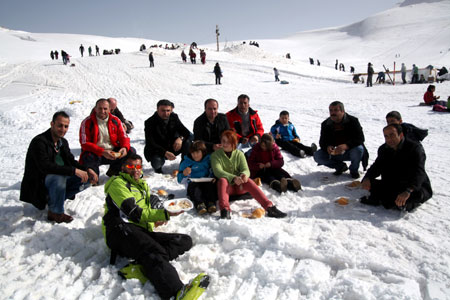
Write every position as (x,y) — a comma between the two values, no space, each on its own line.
(51,172)
(410,131)
(209,126)
(341,139)
(370,72)
(151,59)
(165,136)
(401,163)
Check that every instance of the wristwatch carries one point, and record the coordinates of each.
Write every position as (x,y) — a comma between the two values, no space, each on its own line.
(409,190)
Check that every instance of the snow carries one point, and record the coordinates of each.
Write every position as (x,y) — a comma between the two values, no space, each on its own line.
(320,251)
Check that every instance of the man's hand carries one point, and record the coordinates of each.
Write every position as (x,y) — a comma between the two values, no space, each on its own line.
(401,199)
(254,139)
(365,184)
(340,149)
(268,165)
(82,174)
(187,171)
(169,155)
(109,154)
(123,152)
(177,144)
(330,150)
(93,177)
(217,146)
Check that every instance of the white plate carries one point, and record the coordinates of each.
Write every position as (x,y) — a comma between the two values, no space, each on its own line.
(203,179)
(174,205)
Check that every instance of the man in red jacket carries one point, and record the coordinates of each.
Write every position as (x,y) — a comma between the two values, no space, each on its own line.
(246,122)
(103,140)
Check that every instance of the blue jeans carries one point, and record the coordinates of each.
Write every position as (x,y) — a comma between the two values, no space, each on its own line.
(354,155)
(60,188)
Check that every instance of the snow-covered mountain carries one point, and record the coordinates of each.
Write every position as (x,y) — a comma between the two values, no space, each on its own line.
(320,251)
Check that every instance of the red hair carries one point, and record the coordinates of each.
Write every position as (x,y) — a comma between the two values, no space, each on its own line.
(231,137)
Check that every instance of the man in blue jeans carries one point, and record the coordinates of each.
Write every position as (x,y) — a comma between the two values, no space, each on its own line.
(52,174)
(341,139)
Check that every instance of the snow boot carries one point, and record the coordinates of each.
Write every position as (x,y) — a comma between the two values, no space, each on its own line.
(133,270)
(194,288)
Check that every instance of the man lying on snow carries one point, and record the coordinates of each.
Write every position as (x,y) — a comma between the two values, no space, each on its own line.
(128,227)
(51,172)
(404,183)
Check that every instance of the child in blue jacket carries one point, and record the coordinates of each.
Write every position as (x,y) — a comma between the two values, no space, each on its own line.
(197,164)
(287,138)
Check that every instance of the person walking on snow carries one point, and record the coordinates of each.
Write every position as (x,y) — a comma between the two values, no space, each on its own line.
(81,50)
(150,58)
(275,71)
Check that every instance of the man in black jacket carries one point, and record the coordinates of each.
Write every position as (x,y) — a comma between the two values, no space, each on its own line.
(341,139)
(409,130)
(51,172)
(165,136)
(401,163)
(209,126)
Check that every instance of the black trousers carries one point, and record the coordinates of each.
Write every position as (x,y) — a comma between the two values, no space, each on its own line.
(294,147)
(92,161)
(270,174)
(153,250)
(202,192)
(386,194)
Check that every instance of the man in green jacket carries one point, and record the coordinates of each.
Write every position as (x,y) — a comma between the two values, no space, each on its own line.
(128,227)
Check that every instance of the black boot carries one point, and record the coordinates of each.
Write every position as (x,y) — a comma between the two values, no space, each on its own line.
(225,214)
(273,212)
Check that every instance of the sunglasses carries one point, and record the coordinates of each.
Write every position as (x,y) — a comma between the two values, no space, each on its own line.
(137,167)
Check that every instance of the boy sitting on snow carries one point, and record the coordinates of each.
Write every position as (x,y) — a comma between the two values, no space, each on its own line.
(287,138)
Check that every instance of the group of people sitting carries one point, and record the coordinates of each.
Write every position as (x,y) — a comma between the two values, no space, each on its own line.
(231,149)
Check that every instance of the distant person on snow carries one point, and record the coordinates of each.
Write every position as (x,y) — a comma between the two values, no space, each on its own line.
(352,69)
(151,59)
(403,71)
(404,184)
(81,50)
(410,131)
(52,55)
(127,125)
(218,73)
(192,56)
(286,137)
(183,56)
(336,64)
(51,172)
(381,78)
(56,54)
(90,51)
(415,76)
(129,224)
(275,71)
(203,56)
(429,98)
(311,61)
(103,140)
(97,50)
(318,63)
(370,72)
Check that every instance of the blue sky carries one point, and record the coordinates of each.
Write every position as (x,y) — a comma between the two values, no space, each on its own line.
(185,21)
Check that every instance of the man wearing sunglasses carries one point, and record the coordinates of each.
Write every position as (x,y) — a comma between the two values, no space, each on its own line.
(128,223)
(51,172)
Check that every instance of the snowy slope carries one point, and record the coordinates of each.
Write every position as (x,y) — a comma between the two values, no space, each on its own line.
(321,251)
(414,32)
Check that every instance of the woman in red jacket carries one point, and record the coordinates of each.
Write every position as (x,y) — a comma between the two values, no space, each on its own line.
(266,162)
(429,97)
